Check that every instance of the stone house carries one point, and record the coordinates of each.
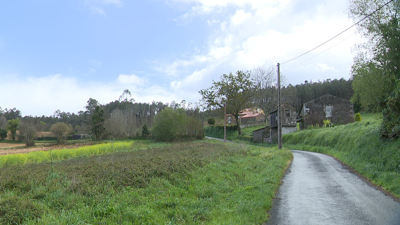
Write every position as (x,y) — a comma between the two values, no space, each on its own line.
(270,133)
(326,107)
(248,117)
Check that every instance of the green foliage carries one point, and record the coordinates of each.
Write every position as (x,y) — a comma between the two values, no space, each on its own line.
(60,130)
(358,145)
(27,133)
(98,124)
(145,131)
(358,117)
(236,91)
(12,126)
(376,68)
(211,121)
(170,124)
(3,134)
(231,133)
(189,183)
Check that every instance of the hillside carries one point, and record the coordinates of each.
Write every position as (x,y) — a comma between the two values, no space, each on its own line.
(358,145)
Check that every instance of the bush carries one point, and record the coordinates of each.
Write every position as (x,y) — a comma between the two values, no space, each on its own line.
(211,121)
(3,134)
(60,130)
(27,133)
(145,131)
(171,124)
(358,117)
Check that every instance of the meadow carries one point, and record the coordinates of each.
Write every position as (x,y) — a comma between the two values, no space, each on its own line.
(358,145)
(142,182)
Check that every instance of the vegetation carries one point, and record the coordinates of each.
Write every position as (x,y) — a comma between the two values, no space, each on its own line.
(211,121)
(3,134)
(145,131)
(170,124)
(12,126)
(358,145)
(189,183)
(60,130)
(236,92)
(98,128)
(231,134)
(376,66)
(27,133)
(358,117)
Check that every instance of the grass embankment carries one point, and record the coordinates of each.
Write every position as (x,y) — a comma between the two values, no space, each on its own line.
(204,182)
(358,145)
(231,133)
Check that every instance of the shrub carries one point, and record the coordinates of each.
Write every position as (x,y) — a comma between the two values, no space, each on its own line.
(60,130)
(27,133)
(12,126)
(211,121)
(358,117)
(145,131)
(171,124)
(3,134)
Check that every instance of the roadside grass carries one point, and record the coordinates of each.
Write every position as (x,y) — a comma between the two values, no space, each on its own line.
(358,145)
(231,133)
(201,182)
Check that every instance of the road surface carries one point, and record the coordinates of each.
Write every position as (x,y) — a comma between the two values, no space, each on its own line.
(319,190)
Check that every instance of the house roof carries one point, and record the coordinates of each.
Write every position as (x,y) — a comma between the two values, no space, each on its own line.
(247,113)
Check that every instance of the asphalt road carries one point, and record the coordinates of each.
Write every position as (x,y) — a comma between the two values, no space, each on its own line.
(319,190)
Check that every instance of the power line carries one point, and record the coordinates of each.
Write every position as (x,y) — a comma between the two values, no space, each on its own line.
(320,53)
(340,32)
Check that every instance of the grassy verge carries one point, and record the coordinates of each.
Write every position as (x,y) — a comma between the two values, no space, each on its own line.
(231,133)
(359,145)
(203,182)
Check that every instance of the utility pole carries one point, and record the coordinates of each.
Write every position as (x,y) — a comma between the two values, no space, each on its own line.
(279,110)
(225,123)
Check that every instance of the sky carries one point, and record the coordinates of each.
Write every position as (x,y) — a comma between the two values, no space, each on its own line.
(55,55)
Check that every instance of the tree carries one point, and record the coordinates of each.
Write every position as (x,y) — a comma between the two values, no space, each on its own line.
(3,134)
(27,133)
(98,124)
(145,131)
(211,121)
(376,69)
(60,130)
(168,124)
(235,91)
(3,122)
(12,126)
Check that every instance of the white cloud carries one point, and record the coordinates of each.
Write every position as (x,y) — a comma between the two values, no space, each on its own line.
(240,17)
(323,67)
(131,80)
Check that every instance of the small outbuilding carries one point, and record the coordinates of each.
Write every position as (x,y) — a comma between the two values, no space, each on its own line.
(270,133)
(326,107)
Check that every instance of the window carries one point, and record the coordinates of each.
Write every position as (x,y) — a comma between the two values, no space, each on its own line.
(287,113)
(328,111)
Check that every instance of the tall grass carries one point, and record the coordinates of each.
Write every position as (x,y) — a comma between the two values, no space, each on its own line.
(85,151)
(231,133)
(203,182)
(359,145)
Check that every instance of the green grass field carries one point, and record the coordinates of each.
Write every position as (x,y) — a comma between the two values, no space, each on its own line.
(141,182)
(358,145)
(231,134)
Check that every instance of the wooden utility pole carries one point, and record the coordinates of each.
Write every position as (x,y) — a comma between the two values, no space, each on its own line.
(279,110)
(225,122)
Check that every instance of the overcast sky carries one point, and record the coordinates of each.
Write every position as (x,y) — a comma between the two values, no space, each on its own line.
(58,54)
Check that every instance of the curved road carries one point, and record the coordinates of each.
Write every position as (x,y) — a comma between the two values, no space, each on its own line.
(319,190)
